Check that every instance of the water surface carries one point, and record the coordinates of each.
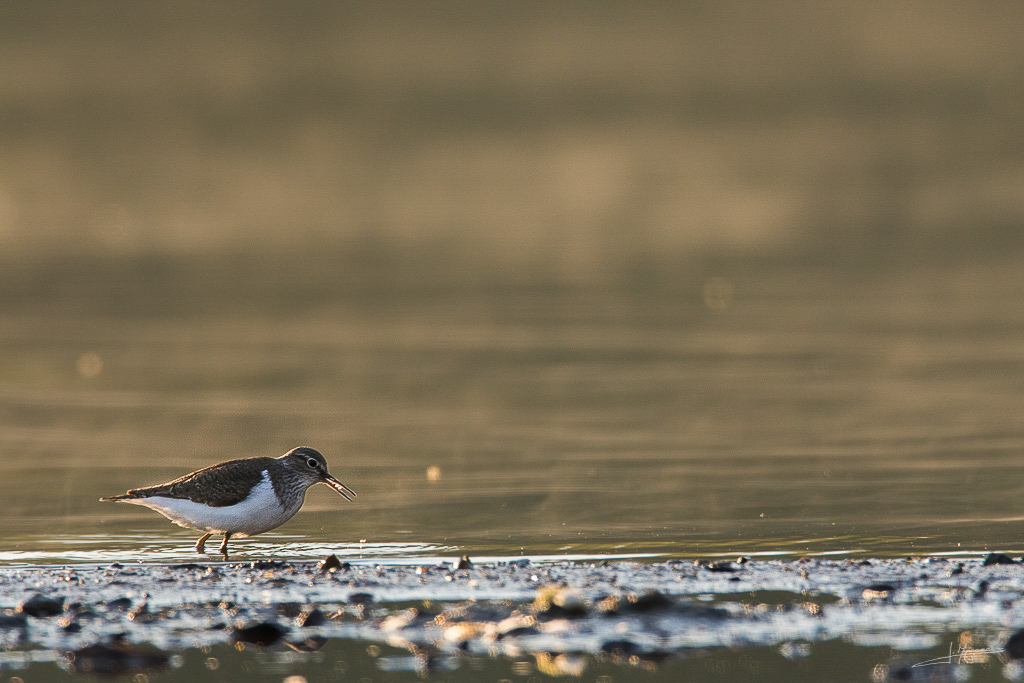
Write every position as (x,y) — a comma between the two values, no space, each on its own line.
(812,411)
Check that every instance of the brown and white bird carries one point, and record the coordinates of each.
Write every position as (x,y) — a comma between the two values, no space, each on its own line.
(238,497)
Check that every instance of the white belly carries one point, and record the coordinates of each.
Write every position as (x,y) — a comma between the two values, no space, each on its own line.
(260,512)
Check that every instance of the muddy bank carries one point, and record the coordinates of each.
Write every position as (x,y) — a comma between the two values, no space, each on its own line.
(130,618)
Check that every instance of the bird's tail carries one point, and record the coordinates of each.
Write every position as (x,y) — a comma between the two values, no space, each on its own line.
(114,499)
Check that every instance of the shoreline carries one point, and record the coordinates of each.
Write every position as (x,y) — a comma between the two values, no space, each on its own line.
(642,610)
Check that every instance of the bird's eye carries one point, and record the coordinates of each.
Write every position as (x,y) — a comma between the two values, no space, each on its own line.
(313,463)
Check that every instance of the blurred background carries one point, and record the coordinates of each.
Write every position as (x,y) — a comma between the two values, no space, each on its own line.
(578,277)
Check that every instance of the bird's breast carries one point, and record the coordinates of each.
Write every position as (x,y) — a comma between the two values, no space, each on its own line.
(260,511)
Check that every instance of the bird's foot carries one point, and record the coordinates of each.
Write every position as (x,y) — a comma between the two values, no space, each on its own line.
(224,546)
(201,543)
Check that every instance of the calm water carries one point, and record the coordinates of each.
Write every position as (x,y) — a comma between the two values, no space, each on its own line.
(567,280)
(789,410)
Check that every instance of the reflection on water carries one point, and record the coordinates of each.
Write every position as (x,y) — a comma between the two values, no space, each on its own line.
(581,279)
(812,414)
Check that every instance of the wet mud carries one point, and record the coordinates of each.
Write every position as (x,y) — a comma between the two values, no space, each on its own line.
(120,619)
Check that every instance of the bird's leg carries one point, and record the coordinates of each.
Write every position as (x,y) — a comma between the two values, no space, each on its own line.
(224,546)
(201,543)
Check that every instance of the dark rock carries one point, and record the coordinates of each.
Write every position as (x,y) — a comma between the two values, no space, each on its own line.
(120,604)
(997,558)
(649,601)
(723,566)
(13,621)
(289,609)
(265,633)
(42,606)
(881,588)
(267,564)
(1015,646)
(360,599)
(621,648)
(331,563)
(117,659)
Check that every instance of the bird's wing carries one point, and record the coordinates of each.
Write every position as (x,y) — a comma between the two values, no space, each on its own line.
(217,486)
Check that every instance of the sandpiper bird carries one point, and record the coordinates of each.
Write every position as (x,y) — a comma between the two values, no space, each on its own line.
(238,497)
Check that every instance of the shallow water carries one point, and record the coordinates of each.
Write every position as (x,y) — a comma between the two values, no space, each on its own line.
(815,413)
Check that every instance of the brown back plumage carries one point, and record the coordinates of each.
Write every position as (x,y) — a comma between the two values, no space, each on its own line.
(219,485)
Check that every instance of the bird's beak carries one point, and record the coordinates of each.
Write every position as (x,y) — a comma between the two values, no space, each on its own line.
(339,487)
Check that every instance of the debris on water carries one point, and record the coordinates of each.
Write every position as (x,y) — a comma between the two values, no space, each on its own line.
(41,606)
